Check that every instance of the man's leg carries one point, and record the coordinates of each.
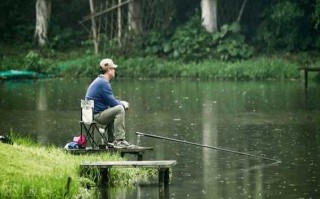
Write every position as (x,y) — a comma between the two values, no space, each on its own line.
(110,131)
(115,115)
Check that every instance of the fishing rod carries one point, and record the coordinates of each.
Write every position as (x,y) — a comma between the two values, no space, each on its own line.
(207,146)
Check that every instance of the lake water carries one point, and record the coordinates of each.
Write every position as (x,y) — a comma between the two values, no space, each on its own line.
(274,119)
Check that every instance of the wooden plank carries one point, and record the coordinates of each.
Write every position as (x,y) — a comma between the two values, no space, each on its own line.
(148,164)
(138,151)
(317,68)
(124,150)
(313,69)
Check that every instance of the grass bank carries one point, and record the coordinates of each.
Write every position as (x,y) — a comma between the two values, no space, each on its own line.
(258,68)
(82,63)
(253,69)
(29,170)
(152,67)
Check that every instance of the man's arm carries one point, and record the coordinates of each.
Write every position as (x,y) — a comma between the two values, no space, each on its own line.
(109,97)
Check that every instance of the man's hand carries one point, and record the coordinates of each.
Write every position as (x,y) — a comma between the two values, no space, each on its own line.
(125,104)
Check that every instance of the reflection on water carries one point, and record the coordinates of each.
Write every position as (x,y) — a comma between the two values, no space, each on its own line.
(209,138)
(154,191)
(272,119)
(41,107)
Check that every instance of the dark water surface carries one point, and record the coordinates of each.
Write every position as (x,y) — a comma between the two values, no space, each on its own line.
(279,120)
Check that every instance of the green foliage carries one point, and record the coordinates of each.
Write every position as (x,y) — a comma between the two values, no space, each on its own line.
(17,21)
(285,25)
(11,57)
(35,62)
(20,139)
(156,44)
(316,24)
(64,39)
(231,45)
(79,67)
(191,42)
(316,15)
(283,28)
(251,69)
(81,63)
(35,171)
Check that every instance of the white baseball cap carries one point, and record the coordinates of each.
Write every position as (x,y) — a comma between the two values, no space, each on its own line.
(105,63)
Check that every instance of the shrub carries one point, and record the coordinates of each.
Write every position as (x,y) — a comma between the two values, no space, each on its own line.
(191,42)
(232,44)
(283,28)
(34,61)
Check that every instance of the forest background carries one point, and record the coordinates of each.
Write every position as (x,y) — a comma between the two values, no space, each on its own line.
(207,39)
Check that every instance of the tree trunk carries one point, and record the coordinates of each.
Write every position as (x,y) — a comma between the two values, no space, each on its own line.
(241,10)
(119,19)
(94,28)
(43,12)
(135,17)
(209,14)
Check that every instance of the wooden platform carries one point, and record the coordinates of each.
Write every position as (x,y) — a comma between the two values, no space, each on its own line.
(163,167)
(307,69)
(136,150)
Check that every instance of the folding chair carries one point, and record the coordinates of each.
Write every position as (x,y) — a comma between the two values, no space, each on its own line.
(89,126)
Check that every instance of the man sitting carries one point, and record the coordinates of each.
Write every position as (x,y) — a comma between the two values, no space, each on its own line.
(107,109)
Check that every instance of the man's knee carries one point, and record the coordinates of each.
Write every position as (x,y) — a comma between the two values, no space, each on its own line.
(120,109)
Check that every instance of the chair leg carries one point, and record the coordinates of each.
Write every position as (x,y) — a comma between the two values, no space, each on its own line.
(90,134)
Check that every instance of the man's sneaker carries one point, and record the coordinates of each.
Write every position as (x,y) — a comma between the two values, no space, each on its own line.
(121,144)
(110,145)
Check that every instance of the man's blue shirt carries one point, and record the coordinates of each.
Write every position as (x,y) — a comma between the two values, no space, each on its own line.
(100,92)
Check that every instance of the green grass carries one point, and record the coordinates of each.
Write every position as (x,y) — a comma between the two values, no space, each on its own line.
(29,170)
(252,69)
(82,63)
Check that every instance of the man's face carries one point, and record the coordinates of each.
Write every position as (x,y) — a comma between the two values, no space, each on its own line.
(111,72)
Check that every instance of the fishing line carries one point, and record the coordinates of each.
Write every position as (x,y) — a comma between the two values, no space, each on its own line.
(209,147)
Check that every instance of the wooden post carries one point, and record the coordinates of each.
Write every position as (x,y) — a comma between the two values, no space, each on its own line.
(94,28)
(140,156)
(164,177)
(104,176)
(306,78)
(164,192)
